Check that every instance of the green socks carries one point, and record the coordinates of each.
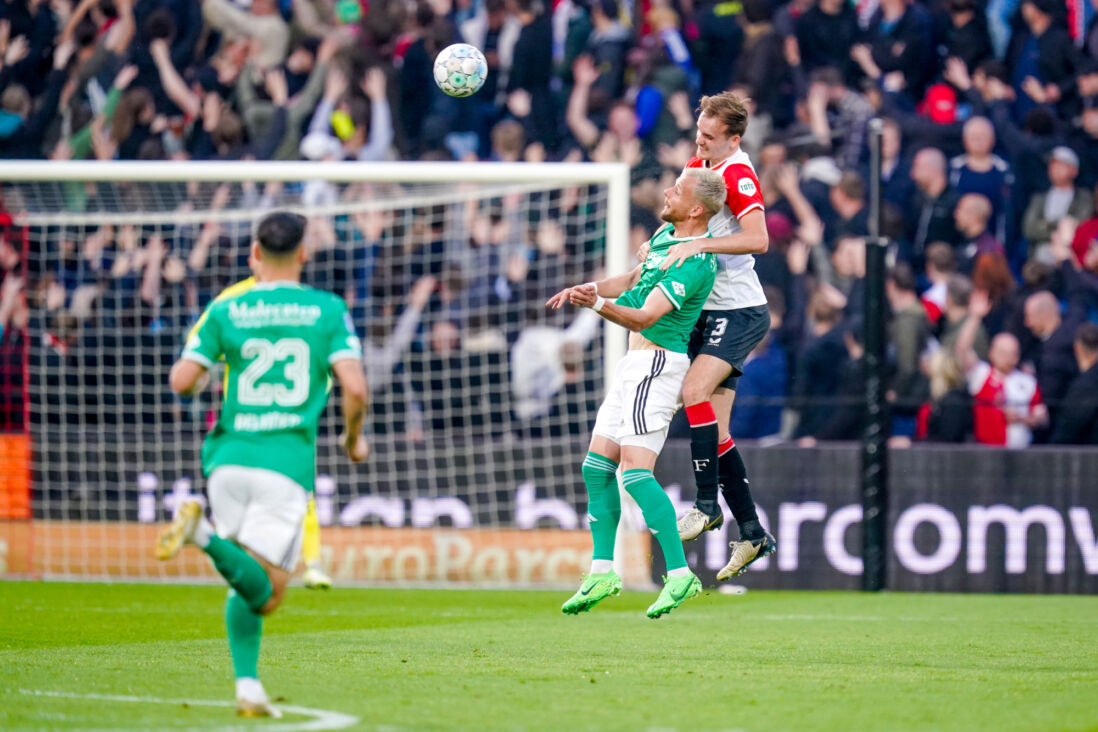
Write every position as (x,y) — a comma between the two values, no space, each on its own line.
(245,627)
(603,503)
(659,514)
(243,573)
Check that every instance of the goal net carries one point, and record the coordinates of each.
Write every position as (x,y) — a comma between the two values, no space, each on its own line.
(482,399)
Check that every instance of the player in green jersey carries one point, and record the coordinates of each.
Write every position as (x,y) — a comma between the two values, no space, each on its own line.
(660,307)
(281,341)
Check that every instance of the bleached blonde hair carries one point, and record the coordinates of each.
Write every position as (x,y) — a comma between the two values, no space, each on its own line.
(709,188)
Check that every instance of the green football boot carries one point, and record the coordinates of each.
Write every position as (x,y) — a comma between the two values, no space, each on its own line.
(595,588)
(675,591)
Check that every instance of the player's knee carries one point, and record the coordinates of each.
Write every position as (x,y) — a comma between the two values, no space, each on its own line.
(273,601)
(695,392)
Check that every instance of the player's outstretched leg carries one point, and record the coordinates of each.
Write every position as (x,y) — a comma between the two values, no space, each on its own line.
(315,578)
(603,514)
(705,514)
(250,590)
(659,514)
(755,543)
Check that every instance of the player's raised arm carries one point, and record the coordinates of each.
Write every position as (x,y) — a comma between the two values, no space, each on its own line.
(753,238)
(355,395)
(656,305)
(609,287)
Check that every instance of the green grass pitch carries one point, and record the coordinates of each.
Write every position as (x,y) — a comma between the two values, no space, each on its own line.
(155,657)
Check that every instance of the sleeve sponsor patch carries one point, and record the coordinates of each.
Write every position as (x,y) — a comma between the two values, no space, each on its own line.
(746,186)
(679,288)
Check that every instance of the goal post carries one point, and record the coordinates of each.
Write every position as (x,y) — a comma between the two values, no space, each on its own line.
(482,400)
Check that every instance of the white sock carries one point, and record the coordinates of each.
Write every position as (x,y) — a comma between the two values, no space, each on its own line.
(250,689)
(601,566)
(680,572)
(203,533)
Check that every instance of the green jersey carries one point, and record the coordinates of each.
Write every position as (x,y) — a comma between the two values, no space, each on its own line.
(687,287)
(279,341)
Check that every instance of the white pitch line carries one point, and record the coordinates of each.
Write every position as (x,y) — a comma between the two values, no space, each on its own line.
(322,718)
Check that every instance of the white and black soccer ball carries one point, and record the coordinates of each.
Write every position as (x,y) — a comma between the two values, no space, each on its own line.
(460,69)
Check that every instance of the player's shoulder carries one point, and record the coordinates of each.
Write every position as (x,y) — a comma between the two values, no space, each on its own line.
(695,162)
(740,178)
(236,289)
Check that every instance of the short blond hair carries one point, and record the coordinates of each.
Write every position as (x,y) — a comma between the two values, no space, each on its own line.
(709,188)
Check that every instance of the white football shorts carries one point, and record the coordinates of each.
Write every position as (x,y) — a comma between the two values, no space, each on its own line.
(643,397)
(259,509)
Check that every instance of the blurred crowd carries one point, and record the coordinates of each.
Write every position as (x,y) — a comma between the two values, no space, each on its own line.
(990,181)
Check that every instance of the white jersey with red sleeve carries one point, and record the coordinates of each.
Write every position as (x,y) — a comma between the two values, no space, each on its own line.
(996,395)
(737,286)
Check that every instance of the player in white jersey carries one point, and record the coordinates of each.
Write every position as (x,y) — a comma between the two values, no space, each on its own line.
(734,321)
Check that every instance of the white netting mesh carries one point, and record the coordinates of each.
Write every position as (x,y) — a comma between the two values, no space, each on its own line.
(481,398)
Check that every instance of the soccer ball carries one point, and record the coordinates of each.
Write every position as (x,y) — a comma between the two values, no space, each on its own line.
(460,70)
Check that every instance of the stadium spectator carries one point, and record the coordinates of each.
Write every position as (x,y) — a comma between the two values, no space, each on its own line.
(967,37)
(25,127)
(972,218)
(761,391)
(991,274)
(762,70)
(955,315)
(720,37)
(941,263)
(262,25)
(607,46)
(1084,243)
(908,333)
(1054,357)
(947,417)
(1078,420)
(846,417)
(847,198)
(619,143)
(1044,60)
(930,209)
(981,171)
(825,34)
(1062,199)
(895,170)
(844,271)
(817,379)
(846,136)
(1083,136)
(369,134)
(1007,403)
(540,361)
(528,88)
(899,39)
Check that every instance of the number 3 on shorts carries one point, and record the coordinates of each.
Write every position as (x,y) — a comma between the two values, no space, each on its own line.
(718,330)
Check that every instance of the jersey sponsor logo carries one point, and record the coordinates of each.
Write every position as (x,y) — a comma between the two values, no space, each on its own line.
(261,314)
(747,187)
(266,422)
(193,343)
(679,288)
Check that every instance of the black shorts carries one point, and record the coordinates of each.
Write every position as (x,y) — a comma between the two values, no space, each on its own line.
(730,335)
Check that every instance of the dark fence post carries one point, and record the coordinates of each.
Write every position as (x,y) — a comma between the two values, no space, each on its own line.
(874,448)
